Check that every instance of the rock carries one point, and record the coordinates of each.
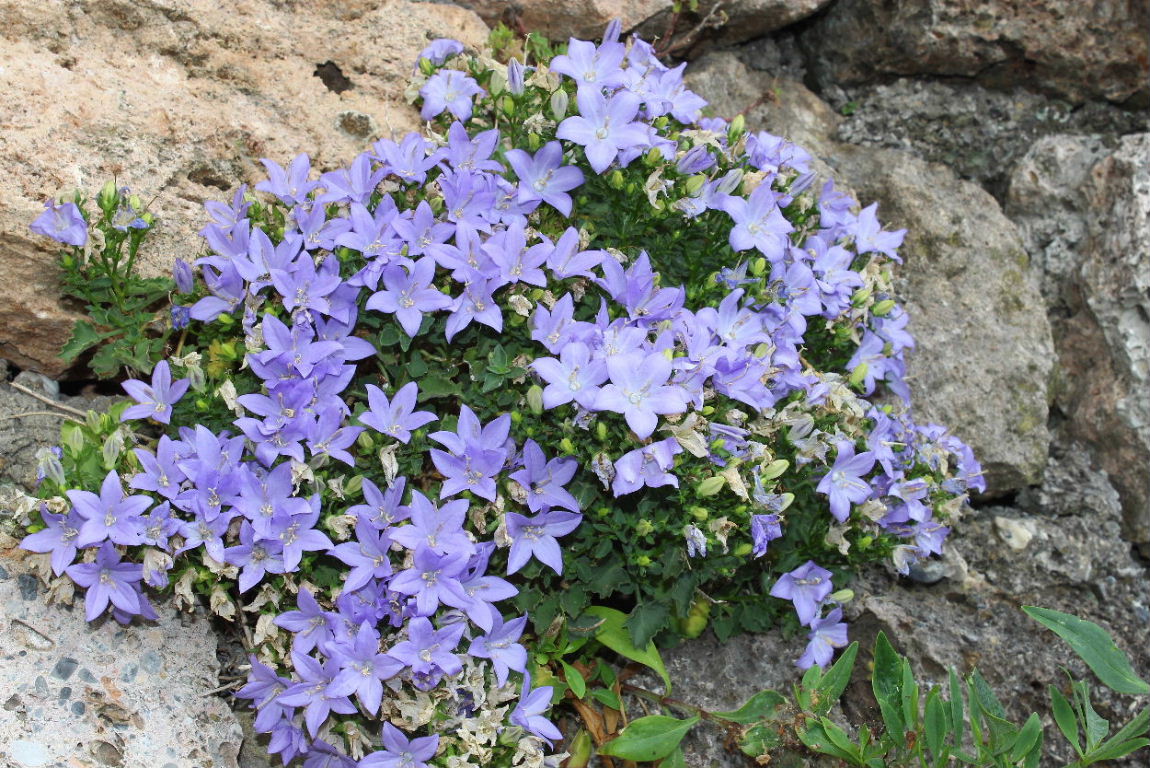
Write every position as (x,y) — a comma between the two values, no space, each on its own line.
(980,133)
(1083,206)
(984,353)
(1115,416)
(178,100)
(1080,51)
(729,22)
(1046,199)
(780,105)
(111,708)
(22,435)
(561,19)
(1016,533)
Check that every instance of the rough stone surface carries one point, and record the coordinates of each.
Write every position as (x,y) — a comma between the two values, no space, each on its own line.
(728,22)
(22,435)
(561,19)
(984,351)
(178,99)
(104,695)
(979,132)
(780,105)
(1083,205)
(1075,562)
(1067,48)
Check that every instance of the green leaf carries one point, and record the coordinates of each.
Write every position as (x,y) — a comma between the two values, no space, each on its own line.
(646,620)
(649,738)
(84,337)
(1096,726)
(816,737)
(759,739)
(957,719)
(934,722)
(910,701)
(437,386)
(674,760)
(886,681)
(606,698)
(1095,646)
(613,634)
(836,679)
(1112,750)
(1065,719)
(1029,739)
(761,706)
(574,679)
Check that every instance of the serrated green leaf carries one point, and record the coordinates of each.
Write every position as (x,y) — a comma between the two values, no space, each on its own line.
(83,338)
(649,738)
(613,634)
(646,620)
(1095,646)
(761,706)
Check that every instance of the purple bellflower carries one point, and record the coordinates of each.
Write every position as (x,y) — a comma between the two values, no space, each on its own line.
(500,645)
(844,484)
(535,536)
(825,635)
(401,752)
(107,579)
(604,126)
(155,401)
(449,90)
(110,516)
(806,586)
(62,222)
(58,537)
(639,390)
(396,417)
(544,177)
(528,713)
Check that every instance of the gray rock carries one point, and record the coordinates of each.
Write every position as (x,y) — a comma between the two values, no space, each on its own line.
(728,22)
(984,351)
(163,715)
(21,435)
(1083,206)
(1076,50)
(979,132)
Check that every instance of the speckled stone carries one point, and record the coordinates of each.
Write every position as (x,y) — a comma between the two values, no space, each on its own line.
(79,694)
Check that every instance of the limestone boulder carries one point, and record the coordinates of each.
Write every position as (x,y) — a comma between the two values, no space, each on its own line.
(179,99)
(984,353)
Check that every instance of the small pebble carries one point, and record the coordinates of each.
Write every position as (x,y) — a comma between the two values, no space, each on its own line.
(28,586)
(64,668)
(78,708)
(28,753)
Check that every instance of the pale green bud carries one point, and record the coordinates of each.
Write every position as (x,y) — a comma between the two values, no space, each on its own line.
(365,441)
(759,267)
(775,469)
(858,375)
(73,439)
(737,128)
(354,485)
(694,184)
(643,527)
(710,486)
(843,596)
(883,308)
(535,399)
(107,197)
(559,101)
(860,296)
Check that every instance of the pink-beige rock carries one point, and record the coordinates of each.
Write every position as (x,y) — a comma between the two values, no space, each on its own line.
(561,19)
(179,99)
(1069,48)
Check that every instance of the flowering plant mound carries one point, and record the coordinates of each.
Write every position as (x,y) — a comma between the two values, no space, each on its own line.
(576,356)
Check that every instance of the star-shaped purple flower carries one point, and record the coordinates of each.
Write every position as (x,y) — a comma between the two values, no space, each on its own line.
(155,401)
(535,536)
(107,579)
(396,417)
(806,586)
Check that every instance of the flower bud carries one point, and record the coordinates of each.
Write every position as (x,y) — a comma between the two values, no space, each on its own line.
(559,101)
(843,596)
(736,129)
(694,184)
(225,320)
(860,296)
(354,485)
(515,77)
(534,141)
(535,399)
(697,618)
(365,441)
(729,182)
(653,157)
(858,375)
(601,431)
(759,267)
(699,513)
(426,67)
(615,179)
(710,486)
(73,438)
(516,417)
(108,197)
(743,549)
(567,445)
(498,83)
(113,447)
(883,308)
(643,527)
(774,469)
(642,561)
